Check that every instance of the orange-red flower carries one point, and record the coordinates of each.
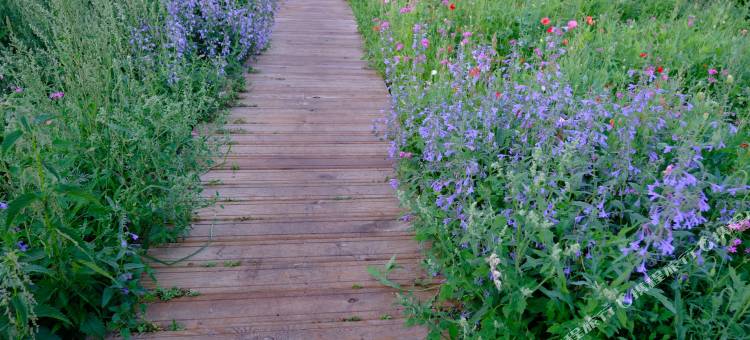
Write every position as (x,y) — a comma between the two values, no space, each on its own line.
(659,69)
(590,20)
(452,6)
(474,72)
(643,54)
(545,21)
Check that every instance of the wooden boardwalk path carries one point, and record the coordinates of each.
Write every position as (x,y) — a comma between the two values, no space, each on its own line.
(305,205)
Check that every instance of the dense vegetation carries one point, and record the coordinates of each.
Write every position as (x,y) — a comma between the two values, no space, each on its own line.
(98,104)
(558,154)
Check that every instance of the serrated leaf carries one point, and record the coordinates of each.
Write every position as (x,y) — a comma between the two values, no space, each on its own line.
(655,292)
(46,311)
(96,268)
(10,139)
(76,192)
(93,326)
(17,205)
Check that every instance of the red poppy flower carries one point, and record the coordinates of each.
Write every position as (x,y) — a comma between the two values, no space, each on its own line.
(659,69)
(474,72)
(550,29)
(452,6)
(589,20)
(498,94)
(565,42)
(643,54)
(545,21)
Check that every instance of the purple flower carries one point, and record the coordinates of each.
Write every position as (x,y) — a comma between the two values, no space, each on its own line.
(394,183)
(22,246)
(627,299)
(3,205)
(134,236)
(57,95)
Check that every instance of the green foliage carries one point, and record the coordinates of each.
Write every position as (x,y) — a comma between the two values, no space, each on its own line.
(99,160)
(528,290)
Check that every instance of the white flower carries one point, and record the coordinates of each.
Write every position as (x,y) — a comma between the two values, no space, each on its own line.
(434,72)
(493,261)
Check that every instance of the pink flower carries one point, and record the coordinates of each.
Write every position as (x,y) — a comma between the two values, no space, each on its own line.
(732,249)
(399,46)
(467,34)
(740,226)
(572,24)
(712,71)
(404,154)
(425,43)
(736,242)
(56,95)
(406,9)
(545,21)
(18,89)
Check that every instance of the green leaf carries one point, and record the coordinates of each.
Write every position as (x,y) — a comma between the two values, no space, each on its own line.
(96,268)
(93,326)
(10,139)
(76,192)
(377,274)
(107,295)
(17,205)
(656,292)
(20,310)
(131,266)
(45,311)
(33,268)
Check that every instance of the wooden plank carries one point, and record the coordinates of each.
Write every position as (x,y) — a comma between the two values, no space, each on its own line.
(298,192)
(303,203)
(325,176)
(332,328)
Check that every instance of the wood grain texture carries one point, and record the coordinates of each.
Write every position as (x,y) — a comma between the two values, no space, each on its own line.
(303,204)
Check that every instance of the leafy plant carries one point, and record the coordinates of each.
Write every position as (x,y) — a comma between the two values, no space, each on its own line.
(555,154)
(99,159)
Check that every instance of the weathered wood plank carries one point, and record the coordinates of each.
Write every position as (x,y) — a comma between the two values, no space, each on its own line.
(303,203)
